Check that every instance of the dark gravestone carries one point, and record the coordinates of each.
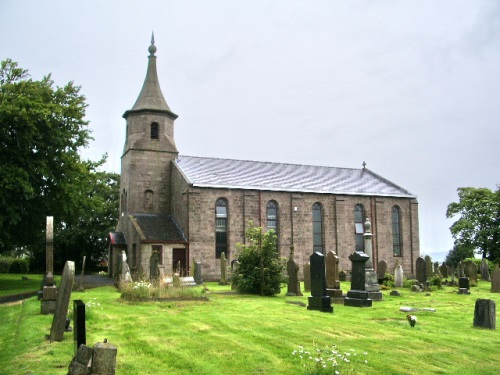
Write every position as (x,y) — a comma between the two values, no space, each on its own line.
(63,297)
(381,271)
(197,273)
(485,270)
(154,266)
(79,329)
(485,314)
(318,300)
(463,285)
(421,270)
(428,266)
(342,276)
(443,270)
(293,278)
(358,296)
(495,280)
(471,272)
(307,277)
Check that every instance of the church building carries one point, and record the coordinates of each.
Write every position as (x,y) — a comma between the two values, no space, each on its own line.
(185,207)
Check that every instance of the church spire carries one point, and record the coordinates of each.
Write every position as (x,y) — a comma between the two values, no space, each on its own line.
(151,97)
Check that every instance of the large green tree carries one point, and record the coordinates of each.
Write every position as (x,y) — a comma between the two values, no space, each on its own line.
(478,226)
(42,130)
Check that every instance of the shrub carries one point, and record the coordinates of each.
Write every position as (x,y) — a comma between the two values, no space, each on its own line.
(435,281)
(408,283)
(260,271)
(388,281)
(14,265)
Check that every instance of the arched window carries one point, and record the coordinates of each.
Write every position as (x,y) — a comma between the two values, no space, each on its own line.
(397,244)
(221,228)
(359,216)
(154,130)
(272,216)
(317,216)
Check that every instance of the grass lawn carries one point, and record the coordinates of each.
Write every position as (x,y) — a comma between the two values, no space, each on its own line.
(245,334)
(13,283)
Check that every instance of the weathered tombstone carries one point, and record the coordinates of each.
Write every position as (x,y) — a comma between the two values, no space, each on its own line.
(398,275)
(428,266)
(443,270)
(80,365)
(421,270)
(318,300)
(371,281)
(235,265)
(197,273)
(381,271)
(61,312)
(495,279)
(307,277)
(358,296)
(342,275)
(223,268)
(154,263)
(471,272)
(79,329)
(49,290)
(485,270)
(461,272)
(332,276)
(80,288)
(485,314)
(125,270)
(104,359)
(293,277)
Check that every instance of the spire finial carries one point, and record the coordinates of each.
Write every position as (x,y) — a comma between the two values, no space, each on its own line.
(364,165)
(152,47)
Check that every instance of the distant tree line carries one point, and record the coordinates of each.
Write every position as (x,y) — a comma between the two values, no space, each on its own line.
(42,131)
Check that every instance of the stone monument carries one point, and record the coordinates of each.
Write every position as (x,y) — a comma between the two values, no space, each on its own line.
(371,280)
(223,269)
(63,297)
(485,314)
(421,271)
(293,277)
(381,271)
(318,300)
(358,296)
(471,272)
(495,279)
(154,267)
(332,277)
(485,270)
(398,275)
(49,295)
(307,277)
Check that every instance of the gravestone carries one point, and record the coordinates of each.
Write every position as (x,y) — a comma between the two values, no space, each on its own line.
(471,272)
(80,365)
(495,279)
(124,268)
(332,276)
(485,314)
(443,270)
(223,268)
(398,275)
(104,359)
(461,272)
(49,290)
(371,280)
(293,277)
(318,300)
(79,329)
(197,273)
(154,266)
(342,276)
(421,270)
(63,297)
(428,267)
(80,288)
(381,271)
(235,265)
(307,277)
(358,296)
(485,270)
(463,285)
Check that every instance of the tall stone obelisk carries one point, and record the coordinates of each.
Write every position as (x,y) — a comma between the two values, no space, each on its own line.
(49,298)
(371,280)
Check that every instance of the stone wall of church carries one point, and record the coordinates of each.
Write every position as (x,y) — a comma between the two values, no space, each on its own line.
(295,225)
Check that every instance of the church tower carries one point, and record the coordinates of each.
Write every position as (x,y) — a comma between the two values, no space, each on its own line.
(149,150)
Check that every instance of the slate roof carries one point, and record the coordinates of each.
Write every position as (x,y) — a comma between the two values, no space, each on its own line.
(117,239)
(255,175)
(158,228)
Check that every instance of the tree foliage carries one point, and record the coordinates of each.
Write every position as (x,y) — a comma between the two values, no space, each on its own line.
(478,226)
(260,271)
(458,254)
(42,129)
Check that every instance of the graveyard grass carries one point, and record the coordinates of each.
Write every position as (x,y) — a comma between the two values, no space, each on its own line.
(247,334)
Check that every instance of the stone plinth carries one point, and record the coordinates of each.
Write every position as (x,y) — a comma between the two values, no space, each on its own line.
(485,314)
(104,359)
(357,296)
(463,285)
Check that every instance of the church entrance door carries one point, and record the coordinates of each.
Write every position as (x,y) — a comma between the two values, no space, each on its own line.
(179,255)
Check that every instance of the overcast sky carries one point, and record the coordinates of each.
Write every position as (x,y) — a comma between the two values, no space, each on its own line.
(410,87)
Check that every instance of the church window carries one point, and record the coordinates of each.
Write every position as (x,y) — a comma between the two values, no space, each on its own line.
(221,228)
(154,130)
(396,232)
(317,220)
(359,215)
(272,216)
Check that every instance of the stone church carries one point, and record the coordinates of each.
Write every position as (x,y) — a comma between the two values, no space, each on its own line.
(184,207)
